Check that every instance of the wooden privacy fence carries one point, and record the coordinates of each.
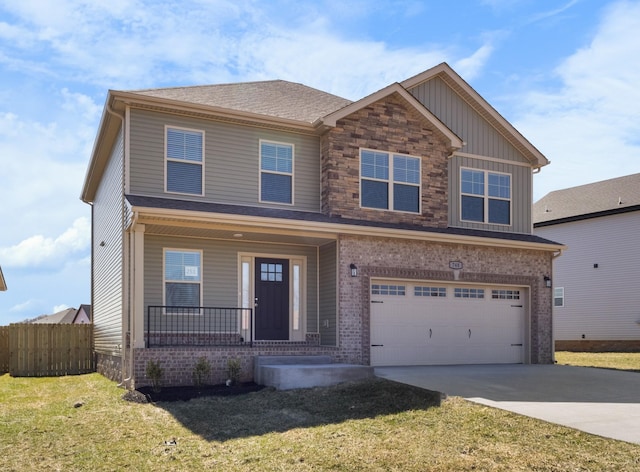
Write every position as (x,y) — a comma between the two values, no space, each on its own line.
(46,350)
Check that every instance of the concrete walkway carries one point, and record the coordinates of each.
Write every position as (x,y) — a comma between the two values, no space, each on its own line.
(598,401)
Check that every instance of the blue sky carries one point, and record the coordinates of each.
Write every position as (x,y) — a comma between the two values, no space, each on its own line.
(564,72)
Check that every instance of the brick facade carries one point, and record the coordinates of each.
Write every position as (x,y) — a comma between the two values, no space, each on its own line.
(418,260)
(390,125)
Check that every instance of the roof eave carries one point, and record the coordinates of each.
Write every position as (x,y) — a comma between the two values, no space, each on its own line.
(339,228)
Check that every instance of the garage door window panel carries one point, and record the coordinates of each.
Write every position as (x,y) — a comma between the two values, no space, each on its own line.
(419,291)
(471,293)
(380,289)
(505,294)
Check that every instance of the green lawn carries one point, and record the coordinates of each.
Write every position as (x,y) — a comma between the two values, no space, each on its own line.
(377,425)
(609,360)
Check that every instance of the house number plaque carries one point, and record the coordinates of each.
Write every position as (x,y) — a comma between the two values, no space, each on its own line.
(455,265)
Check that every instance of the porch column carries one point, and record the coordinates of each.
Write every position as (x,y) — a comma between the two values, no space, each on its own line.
(138,286)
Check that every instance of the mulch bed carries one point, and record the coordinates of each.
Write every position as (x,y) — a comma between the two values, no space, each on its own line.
(188,392)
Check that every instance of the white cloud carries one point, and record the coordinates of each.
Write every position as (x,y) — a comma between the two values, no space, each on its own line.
(58,308)
(589,128)
(39,250)
(25,306)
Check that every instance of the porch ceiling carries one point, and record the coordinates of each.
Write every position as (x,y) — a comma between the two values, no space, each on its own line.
(263,235)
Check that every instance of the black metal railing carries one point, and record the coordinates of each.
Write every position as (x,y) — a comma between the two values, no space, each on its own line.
(198,326)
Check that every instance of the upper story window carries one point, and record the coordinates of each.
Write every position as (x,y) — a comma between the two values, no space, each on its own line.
(276,172)
(389,181)
(485,196)
(182,278)
(184,161)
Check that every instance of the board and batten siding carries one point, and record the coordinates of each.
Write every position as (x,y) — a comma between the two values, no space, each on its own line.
(231,161)
(521,191)
(220,270)
(602,303)
(479,136)
(328,309)
(108,257)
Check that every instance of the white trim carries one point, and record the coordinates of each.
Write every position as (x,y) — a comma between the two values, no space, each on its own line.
(164,280)
(126,150)
(250,257)
(391,181)
(488,159)
(561,297)
(292,174)
(486,196)
(167,159)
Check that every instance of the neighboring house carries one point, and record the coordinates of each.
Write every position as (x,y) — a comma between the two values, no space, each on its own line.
(83,315)
(597,279)
(246,219)
(3,283)
(62,317)
(68,316)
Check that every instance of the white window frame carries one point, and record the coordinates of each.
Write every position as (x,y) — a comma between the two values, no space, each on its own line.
(391,181)
(291,174)
(168,159)
(165,280)
(561,297)
(485,197)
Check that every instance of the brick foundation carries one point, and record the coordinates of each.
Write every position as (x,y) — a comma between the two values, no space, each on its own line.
(178,362)
(599,346)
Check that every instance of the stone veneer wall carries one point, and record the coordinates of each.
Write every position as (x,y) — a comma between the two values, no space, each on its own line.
(389,125)
(419,260)
(110,366)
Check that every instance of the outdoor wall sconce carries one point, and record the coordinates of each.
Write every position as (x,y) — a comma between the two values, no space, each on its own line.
(547,281)
(354,270)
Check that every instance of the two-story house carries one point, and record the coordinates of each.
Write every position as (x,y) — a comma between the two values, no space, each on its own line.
(247,219)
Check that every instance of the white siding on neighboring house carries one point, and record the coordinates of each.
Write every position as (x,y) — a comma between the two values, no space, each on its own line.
(108,255)
(231,161)
(600,303)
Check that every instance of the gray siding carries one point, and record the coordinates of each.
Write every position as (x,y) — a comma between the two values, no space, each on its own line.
(108,258)
(220,270)
(480,137)
(602,303)
(328,293)
(521,191)
(231,160)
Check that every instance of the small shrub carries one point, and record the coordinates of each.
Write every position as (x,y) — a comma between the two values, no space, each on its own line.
(201,371)
(155,373)
(234,368)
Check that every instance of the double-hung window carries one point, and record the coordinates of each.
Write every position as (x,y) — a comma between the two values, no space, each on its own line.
(276,172)
(184,161)
(485,196)
(389,181)
(182,278)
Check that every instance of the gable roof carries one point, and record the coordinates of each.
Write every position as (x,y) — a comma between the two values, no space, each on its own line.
(62,317)
(607,197)
(440,128)
(83,308)
(482,107)
(3,283)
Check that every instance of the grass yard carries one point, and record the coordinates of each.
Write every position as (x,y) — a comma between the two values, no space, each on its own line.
(377,425)
(609,360)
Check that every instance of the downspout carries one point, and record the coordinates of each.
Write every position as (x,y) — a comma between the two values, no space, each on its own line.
(554,256)
(112,112)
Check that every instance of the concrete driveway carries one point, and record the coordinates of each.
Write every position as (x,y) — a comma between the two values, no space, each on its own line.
(597,401)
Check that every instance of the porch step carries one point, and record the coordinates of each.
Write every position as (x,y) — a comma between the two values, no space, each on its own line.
(290,372)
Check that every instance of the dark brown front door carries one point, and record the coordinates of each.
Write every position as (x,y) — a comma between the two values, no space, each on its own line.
(272,299)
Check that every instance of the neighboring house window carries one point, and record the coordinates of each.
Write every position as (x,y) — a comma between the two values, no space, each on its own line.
(276,172)
(184,161)
(485,196)
(182,278)
(558,296)
(389,181)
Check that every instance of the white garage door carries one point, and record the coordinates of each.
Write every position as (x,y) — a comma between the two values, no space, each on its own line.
(423,323)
